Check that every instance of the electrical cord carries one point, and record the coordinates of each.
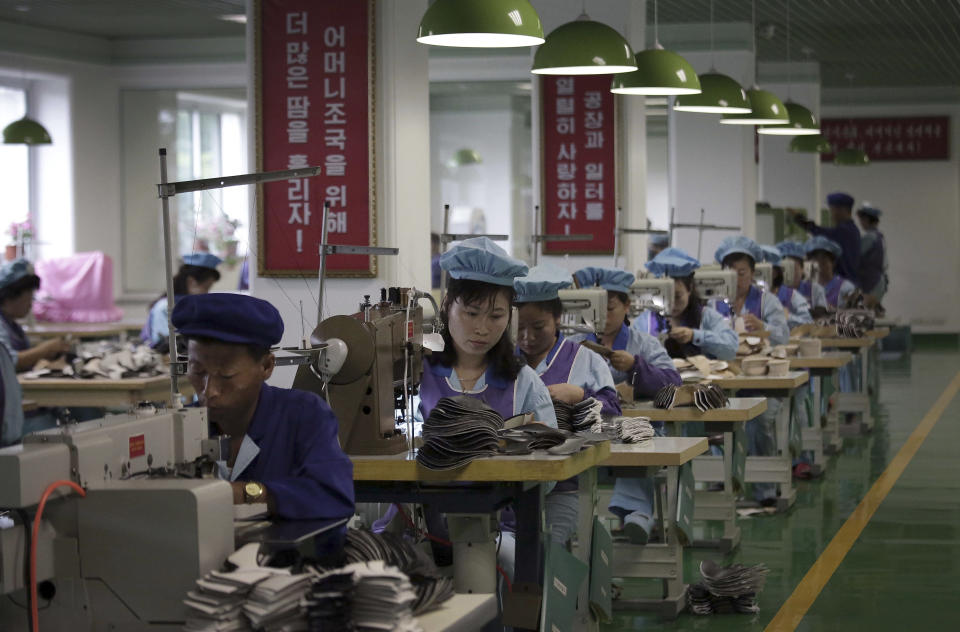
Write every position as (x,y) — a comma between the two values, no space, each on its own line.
(34,616)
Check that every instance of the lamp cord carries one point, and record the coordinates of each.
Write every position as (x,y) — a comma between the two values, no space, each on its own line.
(789,67)
(712,58)
(656,25)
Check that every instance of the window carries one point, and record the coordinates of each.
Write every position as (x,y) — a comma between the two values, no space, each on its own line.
(211,142)
(14,164)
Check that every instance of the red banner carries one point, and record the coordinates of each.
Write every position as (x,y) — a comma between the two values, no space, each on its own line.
(579,163)
(891,138)
(314,90)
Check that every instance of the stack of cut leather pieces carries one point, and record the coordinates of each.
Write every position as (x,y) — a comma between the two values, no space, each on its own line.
(727,589)
(274,604)
(577,417)
(636,430)
(377,597)
(458,430)
(704,396)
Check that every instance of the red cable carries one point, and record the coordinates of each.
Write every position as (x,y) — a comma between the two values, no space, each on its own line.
(410,524)
(34,612)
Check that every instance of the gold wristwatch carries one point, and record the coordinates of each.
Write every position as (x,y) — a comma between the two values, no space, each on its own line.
(253,492)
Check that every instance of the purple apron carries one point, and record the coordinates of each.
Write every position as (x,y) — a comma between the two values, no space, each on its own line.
(560,364)
(497,393)
(785,294)
(752,304)
(833,290)
(806,289)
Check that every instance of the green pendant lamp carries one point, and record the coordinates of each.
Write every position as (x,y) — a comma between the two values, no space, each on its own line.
(719,95)
(766,108)
(25,131)
(811,145)
(464,157)
(659,72)
(481,24)
(802,123)
(851,158)
(584,47)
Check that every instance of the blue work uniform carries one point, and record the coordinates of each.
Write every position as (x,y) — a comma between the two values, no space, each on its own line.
(764,306)
(291,447)
(813,293)
(847,235)
(11,400)
(712,336)
(873,263)
(838,290)
(795,305)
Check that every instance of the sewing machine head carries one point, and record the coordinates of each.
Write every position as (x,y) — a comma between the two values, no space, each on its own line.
(763,275)
(714,283)
(584,310)
(811,271)
(653,294)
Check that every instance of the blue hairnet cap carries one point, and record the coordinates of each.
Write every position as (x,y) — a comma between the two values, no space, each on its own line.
(608,278)
(202,260)
(771,254)
(479,259)
(870,211)
(739,244)
(672,262)
(660,240)
(839,199)
(791,248)
(822,243)
(13,271)
(543,283)
(233,318)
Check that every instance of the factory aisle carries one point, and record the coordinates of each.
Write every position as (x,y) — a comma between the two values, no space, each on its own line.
(903,569)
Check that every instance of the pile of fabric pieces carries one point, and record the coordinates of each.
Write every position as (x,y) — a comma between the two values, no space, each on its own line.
(103,359)
(636,430)
(361,596)
(751,345)
(700,367)
(577,417)
(705,396)
(852,323)
(727,589)
(458,430)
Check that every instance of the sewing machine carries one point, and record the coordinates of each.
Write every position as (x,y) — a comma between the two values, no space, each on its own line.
(790,274)
(584,310)
(763,275)
(146,521)
(712,282)
(383,342)
(811,271)
(653,294)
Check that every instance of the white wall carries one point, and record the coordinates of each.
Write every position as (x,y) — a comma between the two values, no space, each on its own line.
(921,221)
(658,195)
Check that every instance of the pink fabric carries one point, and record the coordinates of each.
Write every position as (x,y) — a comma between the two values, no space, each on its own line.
(76,289)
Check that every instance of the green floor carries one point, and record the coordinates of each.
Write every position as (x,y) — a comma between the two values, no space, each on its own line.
(904,570)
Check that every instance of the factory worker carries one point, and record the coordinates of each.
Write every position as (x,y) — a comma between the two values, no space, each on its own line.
(196,275)
(641,361)
(760,309)
(570,371)
(692,328)
(18,284)
(284,450)
(873,256)
(794,252)
(844,233)
(11,401)
(826,253)
(657,244)
(793,302)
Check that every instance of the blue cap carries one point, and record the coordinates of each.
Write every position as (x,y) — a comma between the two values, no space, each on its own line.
(13,271)
(608,278)
(202,260)
(660,240)
(672,262)
(870,211)
(839,199)
(738,244)
(822,243)
(543,283)
(479,259)
(791,248)
(770,254)
(233,318)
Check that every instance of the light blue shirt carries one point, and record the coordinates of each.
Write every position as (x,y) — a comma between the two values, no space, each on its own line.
(589,370)
(715,337)
(846,289)
(773,317)
(638,344)
(159,328)
(12,422)
(798,312)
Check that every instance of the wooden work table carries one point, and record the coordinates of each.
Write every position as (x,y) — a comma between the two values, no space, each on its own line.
(660,451)
(460,613)
(829,360)
(82,330)
(739,409)
(848,343)
(792,380)
(99,393)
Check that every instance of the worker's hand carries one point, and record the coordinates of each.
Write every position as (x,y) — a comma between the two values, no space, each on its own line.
(53,348)
(683,335)
(752,322)
(622,361)
(567,393)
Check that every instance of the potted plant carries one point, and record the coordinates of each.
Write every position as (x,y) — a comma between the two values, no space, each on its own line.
(219,232)
(20,234)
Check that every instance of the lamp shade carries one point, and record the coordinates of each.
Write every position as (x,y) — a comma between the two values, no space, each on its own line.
(584,47)
(466,156)
(719,95)
(659,72)
(481,24)
(25,131)
(766,108)
(851,158)
(811,145)
(802,123)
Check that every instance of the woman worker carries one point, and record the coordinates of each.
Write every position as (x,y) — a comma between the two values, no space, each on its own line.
(796,307)
(196,275)
(571,372)
(18,284)
(825,252)
(692,328)
(794,253)
(641,361)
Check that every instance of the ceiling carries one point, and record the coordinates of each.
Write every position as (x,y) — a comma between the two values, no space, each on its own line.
(128,19)
(881,42)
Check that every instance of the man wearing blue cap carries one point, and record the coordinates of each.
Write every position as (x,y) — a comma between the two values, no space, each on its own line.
(844,232)
(873,256)
(284,450)
(196,275)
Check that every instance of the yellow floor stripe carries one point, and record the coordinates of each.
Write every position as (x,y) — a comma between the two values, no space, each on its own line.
(806,592)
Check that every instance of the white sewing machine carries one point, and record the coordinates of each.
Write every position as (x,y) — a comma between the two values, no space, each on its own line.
(123,556)
(763,275)
(653,294)
(715,283)
(584,310)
